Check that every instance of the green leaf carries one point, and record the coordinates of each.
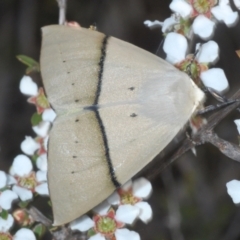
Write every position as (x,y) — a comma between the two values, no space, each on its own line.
(4,214)
(36,119)
(49,203)
(39,230)
(23,204)
(33,66)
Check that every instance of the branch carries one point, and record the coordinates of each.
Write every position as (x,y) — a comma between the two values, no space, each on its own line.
(205,134)
(39,217)
(62,4)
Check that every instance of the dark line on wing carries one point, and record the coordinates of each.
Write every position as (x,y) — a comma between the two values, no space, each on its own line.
(95,109)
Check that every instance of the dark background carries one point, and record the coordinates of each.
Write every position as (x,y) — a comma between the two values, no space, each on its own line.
(189,199)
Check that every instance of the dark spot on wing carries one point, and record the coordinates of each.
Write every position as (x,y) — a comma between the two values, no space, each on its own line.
(131,88)
(91,108)
(133,115)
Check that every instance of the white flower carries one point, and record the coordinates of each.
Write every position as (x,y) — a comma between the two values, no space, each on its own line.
(129,197)
(237,122)
(203,27)
(233,189)
(28,87)
(42,162)
(175,47)
(29,145)
(215,78)
(181,7)
(223,12)
(105,218)
(6,199)
(153,24)
(48,115)
(27,181)
(125,234)
(42,129)
(202,24)
(237,3)
(6,224)
(24,234)
(82,224)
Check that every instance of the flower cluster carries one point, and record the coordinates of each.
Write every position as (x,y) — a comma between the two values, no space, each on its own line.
(27,176)
(122,208)
(198,17)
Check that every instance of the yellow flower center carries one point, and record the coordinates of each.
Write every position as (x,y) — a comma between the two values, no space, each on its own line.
(202,6)
(5,236)
(106,225)
(128,198)
(28,182)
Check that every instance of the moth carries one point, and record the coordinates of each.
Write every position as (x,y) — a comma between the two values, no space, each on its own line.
(117,107)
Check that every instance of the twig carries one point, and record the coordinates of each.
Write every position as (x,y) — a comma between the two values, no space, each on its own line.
(66,233)
(39,217)
(62,4)
(205,134)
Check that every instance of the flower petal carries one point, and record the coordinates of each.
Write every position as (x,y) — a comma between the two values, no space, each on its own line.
(208,52)
(42,189)
(98,236)
(5,225)
(45,142)
(203,27)
(42,129)
(11,180)
(127,213)
(224,13)
(175,46)
(126,186)
(6,199)
(25,234)
(102,208)
(216,79)
(28,87)
(29,145)
(42,162)
(21,166)
(114,199)
(48,115)
(142,188)
(237,122)
(82,224)
(168,23)
(181,7)
(233,189)
(153,24)
(146,211)
(237,3)
(3,179)
(125,234)
(23,193)
(41,176)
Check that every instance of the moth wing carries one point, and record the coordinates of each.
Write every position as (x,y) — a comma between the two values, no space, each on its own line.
(142,103)
(79,177)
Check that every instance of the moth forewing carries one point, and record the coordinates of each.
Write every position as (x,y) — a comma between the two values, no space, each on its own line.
(117,107)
